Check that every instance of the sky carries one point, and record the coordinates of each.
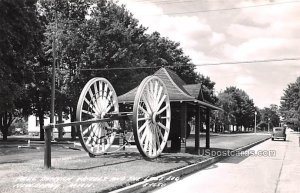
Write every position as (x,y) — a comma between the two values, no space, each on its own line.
(218,31)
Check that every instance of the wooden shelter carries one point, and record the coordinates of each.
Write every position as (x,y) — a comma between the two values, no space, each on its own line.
(186,101)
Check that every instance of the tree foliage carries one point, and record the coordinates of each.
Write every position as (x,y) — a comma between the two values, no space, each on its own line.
(270,115)
(19,46)
(238,108)
(207,86)
(290,104)
(96,36)
(92,38)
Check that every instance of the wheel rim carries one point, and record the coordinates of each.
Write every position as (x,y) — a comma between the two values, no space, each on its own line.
(97,99)
(151,117)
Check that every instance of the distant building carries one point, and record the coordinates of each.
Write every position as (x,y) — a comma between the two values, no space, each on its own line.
(34,124)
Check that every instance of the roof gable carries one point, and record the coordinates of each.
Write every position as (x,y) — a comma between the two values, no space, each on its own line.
(162,73)
(173,83)
(177,90)
(195,90)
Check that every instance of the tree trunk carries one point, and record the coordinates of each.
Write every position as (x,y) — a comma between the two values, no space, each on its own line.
(5,133)
(60,119)
(40,114)
(41,119)
(73,118)
(6,120)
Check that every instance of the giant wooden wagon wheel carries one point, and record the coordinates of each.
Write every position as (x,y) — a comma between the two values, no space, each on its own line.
(151,116)
(98,98)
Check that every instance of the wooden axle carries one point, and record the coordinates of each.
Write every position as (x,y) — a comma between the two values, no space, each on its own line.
(112,117)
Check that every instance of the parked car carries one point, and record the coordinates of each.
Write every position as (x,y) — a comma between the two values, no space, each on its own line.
(279,133)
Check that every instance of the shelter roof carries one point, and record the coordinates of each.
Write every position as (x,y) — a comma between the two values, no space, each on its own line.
(177,89)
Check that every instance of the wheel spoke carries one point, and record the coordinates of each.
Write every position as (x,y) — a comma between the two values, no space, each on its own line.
(144,134)
(110,106)
(161,101)
(89,113)
(159,94)
(157,138)
(149,98)
(146,147)
(164,127)
(155,91)
(150,140)
(100,89)
(147,104)
(144,118)
(95,136)
(151,87)
(153,143)
(160,133)
(105,91)
(163,109)
(92,106)
(94,101)
(90,136)
(99,139)
(144,111)
(97,96)
(87,130)
(109,95)
(143,127)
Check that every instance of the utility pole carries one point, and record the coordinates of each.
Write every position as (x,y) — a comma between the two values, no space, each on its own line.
(268,125)
(47,153)
(255,113)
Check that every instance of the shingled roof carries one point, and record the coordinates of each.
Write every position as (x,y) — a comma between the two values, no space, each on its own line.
(194,90)
(178,90)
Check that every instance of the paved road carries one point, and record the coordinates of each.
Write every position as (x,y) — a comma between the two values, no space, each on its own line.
(228,141)
(249,174)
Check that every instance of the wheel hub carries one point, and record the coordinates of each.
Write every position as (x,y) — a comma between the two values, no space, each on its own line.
(155,118)
(101,115)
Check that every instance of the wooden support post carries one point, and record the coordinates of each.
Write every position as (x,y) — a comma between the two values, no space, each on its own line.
(197,130)
(47,153)
(207,135)
(122,135)
(183,126)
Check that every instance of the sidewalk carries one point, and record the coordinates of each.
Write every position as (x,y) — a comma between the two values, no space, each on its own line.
(74,171)
(272,166)
(290,171)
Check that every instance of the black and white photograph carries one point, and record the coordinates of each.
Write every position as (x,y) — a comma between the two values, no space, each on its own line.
(135,96)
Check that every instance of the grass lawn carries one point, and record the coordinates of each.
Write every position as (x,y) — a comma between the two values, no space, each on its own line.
(75,171)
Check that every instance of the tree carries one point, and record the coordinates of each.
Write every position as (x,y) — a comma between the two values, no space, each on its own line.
(270,116)
(238,108)
(62,22)
(19,44)
(225,118)
(103,35)
(207,88)
(290,104)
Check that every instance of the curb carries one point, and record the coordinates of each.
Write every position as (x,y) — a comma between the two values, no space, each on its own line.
(173,176)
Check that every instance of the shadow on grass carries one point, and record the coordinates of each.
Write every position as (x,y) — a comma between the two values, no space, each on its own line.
(171,158)
(13,162)
(117,158)
(93,167)
(125,157)
(163,158)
